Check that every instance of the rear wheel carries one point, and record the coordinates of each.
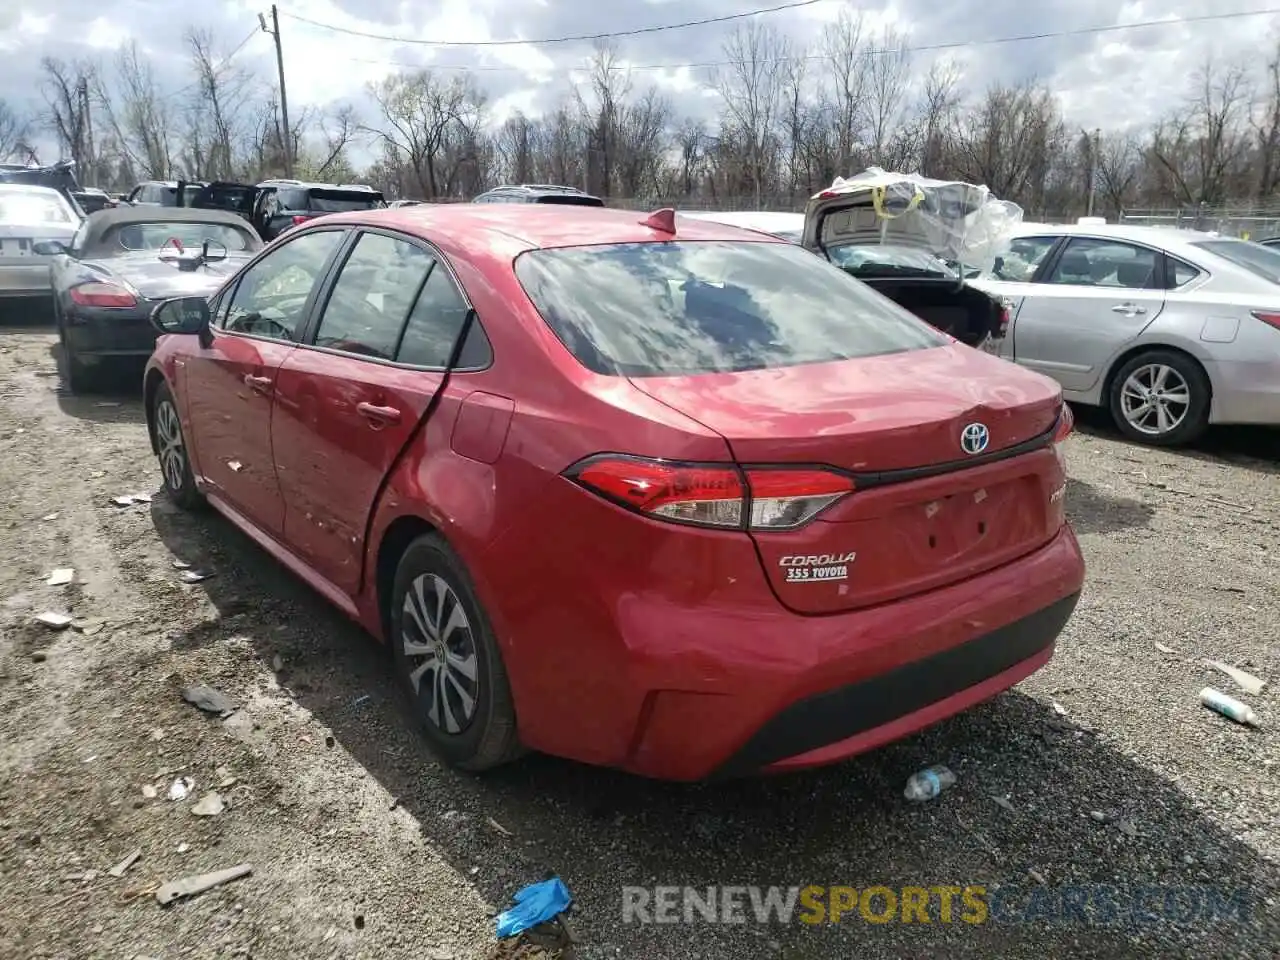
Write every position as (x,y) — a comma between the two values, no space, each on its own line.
(1161,397)
(171,448)
(448,659)
(78,377)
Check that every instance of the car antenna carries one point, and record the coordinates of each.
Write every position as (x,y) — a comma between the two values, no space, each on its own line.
(663,220)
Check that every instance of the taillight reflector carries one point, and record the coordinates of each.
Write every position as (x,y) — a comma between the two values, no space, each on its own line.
(1066,423)
(102,295)
(711,494)
(299,218)
(1267,317)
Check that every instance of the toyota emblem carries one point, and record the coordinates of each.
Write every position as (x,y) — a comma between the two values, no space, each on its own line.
(974,438)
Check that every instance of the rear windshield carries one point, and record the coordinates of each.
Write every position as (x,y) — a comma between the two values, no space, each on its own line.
(1254,257)
(569,199)
(330,201)
(663,309)
(132,237)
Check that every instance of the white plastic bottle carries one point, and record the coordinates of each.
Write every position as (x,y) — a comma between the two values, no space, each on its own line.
(1228,706)
(928,783)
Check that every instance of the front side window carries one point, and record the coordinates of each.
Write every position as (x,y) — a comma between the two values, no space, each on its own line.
(665,309)
(1093,262)
(271,296)
(372,296)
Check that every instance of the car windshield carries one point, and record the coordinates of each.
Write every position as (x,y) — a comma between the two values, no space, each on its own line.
(886,259)
(133,237)
(1254,257)
(663,309)
(30,207)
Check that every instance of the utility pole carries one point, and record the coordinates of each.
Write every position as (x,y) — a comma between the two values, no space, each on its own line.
(87,146)
(1094,146)
(286,137)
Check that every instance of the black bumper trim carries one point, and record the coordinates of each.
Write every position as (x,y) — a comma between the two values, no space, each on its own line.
(844,712)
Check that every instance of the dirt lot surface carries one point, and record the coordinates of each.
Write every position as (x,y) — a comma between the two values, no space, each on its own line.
(362,845)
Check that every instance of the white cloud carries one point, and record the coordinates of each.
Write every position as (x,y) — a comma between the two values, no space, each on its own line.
(1122,78)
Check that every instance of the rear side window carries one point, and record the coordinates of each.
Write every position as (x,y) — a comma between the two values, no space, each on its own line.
(1254,257)
(372,296)
(665,309)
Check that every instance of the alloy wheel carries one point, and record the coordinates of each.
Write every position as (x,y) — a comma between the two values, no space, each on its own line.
(439,644)
(173,456)
(1155,399)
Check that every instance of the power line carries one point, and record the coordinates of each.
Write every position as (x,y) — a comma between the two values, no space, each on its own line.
(888,51)
(795,4)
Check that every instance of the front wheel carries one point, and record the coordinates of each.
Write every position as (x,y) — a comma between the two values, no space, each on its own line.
(171,448)
(1161,397)
(448,659)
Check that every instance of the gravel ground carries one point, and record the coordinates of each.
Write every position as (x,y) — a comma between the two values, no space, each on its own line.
(362,845)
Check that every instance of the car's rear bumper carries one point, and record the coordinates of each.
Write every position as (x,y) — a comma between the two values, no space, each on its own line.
(104,334)
(709,675)
(1245,392)
(25,280)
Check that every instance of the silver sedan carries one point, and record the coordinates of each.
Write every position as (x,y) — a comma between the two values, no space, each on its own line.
(29,215)
(1170,330)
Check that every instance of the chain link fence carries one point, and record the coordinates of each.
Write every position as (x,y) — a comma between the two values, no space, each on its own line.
(1246,222)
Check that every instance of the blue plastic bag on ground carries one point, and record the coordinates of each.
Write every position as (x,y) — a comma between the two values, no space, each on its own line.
(535,904)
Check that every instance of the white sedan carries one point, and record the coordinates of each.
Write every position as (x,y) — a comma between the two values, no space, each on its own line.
(1170,330)
(29,215)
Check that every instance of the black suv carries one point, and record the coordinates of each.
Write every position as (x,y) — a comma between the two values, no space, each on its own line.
(283,204)
(539,193)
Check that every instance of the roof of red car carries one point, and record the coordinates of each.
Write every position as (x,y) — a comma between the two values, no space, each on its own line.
(539,225)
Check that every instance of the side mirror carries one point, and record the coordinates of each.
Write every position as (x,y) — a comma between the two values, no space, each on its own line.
(49,248)
(183,315)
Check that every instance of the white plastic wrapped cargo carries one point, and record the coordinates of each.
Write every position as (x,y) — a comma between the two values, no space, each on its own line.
(951,219)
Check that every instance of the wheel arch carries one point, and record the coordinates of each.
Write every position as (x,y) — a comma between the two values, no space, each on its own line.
(401,532)
(1104,397)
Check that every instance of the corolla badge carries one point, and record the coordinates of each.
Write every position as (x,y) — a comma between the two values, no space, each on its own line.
(974,438)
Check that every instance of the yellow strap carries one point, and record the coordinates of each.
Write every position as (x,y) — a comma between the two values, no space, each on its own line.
(878,197)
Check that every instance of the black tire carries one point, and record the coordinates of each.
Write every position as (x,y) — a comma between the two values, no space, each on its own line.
(1195,419)
(487,737)
(179,481)
(78,377)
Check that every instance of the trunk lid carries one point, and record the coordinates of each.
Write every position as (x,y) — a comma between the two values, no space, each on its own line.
(945,219)
(157,279)
(946,515)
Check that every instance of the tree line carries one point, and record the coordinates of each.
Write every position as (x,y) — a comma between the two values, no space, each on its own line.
(791,119)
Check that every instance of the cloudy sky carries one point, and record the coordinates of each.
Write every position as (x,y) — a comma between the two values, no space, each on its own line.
(1121,77)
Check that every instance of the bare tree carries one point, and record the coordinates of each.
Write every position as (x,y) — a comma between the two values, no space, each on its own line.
(751,86)
(14,128)
(601,107)
(218,117)
(66,89)
(1119,165)
(419,111)
(887,75)
(138,116)
(939,103)
(846,60)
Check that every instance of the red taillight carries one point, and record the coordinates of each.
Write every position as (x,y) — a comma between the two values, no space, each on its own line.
(1004,319)
(1267,317)
(299,218)
(102,295)
(713,495)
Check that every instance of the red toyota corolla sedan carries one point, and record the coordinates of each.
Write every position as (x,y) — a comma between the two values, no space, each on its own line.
(672,497)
